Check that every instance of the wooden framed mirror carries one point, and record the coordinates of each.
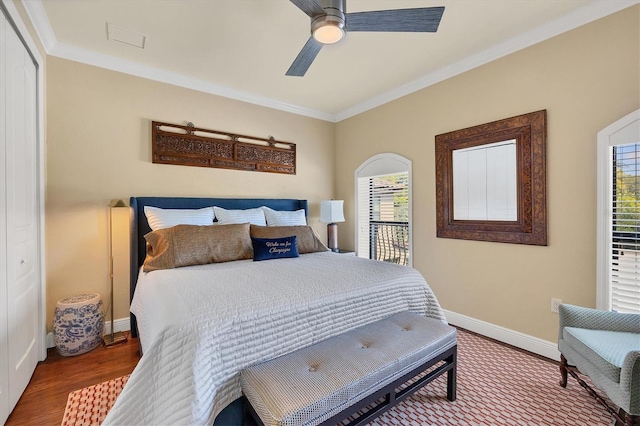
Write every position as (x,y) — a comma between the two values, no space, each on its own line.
(491,181)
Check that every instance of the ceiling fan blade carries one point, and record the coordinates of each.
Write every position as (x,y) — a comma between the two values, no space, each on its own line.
(423,19)
(310,7)
(304,59)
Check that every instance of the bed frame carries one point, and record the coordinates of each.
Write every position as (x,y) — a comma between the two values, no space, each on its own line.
(139,227)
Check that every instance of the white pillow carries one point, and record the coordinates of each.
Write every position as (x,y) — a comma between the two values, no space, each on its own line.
(166,218)
(252,216)
(284,218)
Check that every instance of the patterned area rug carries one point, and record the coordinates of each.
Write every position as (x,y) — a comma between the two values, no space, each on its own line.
(89,406)
(497,385)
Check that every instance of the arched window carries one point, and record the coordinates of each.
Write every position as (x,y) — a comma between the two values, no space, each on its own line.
(383,209)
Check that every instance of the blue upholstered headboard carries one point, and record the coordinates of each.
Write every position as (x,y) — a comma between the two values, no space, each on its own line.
(140,226)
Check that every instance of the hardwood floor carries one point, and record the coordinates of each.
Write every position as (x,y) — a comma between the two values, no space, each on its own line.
(45,398)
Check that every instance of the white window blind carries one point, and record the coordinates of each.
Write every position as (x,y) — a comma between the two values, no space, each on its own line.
(625,229)
(383,217)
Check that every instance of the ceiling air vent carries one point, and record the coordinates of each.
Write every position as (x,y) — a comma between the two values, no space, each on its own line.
(123,35)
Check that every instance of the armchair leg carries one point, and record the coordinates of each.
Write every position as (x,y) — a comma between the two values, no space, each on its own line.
(563,371)
(627,419)
(622,418)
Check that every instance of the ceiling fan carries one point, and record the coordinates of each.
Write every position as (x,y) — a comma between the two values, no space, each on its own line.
(330,22)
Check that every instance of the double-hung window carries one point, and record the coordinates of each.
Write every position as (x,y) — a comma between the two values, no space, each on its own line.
(619,216)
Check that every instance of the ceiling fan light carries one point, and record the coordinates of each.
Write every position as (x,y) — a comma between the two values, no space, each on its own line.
(328,33)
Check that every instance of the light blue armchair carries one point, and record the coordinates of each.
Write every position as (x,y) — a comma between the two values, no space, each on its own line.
(606,347)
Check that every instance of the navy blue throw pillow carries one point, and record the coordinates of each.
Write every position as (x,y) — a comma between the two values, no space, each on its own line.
(274,248)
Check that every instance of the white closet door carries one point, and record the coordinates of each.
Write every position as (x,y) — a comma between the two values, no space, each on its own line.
(4,354)
(21,215)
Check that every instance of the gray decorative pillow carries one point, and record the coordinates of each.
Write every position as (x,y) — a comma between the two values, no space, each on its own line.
(307,239)
(186,245)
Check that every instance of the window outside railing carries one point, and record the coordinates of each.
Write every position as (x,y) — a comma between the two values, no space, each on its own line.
(389,241)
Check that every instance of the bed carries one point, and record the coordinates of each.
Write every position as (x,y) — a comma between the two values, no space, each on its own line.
(201,325)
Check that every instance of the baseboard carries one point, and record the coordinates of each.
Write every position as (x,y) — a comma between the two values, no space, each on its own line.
(505,335)
(502,334)
(122,324)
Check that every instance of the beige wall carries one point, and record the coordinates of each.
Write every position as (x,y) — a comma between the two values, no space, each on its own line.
(585,79)
(99,149)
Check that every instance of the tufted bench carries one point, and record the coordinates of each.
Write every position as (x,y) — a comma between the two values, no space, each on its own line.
(327,382)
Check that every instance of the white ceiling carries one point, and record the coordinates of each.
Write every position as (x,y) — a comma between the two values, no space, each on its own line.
(242,48)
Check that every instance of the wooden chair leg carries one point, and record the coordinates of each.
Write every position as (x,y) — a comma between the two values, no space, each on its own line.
(627,419)
(563,371)
(622,418)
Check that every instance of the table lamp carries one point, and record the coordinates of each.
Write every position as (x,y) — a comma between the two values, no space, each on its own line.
(331,212)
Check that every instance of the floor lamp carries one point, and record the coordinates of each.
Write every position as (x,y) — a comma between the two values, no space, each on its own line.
(113,338)
(331,211)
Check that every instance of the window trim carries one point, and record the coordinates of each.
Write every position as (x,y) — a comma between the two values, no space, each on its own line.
(379,165)
(604,212)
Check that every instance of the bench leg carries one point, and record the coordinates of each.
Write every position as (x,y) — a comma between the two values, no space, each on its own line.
(249,415)
(452,376)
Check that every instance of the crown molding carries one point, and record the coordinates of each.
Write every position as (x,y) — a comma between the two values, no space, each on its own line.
(101,60)
(40,21)
(596,10)
(593,11)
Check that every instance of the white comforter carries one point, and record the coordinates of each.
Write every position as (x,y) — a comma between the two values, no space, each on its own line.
(203,324)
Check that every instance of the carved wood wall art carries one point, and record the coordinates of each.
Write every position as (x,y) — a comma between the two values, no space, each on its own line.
(530,133)
(193,146)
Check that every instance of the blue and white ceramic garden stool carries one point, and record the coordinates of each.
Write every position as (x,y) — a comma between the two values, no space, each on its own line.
(78,324)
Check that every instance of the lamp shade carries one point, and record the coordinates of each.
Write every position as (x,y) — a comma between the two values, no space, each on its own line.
(331,211)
